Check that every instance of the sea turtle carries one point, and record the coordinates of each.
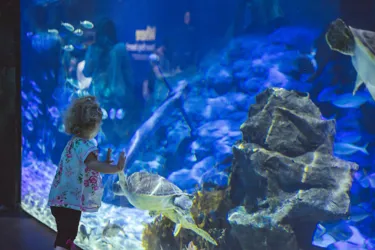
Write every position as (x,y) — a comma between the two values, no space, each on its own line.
(360,45)
(152,192)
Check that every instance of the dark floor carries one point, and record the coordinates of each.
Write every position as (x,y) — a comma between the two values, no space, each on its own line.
(19,231)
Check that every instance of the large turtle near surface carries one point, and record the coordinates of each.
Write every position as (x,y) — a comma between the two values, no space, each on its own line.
(360,45)
(156,194)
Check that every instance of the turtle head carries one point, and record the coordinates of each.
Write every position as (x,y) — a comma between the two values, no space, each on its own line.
(116,189)
(340,38)
(183,201)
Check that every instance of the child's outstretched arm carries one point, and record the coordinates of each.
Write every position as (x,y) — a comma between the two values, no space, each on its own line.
(106,167)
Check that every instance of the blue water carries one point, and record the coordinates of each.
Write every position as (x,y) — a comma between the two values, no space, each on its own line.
(224,59)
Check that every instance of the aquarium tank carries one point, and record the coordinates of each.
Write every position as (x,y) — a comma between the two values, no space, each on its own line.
(247,124)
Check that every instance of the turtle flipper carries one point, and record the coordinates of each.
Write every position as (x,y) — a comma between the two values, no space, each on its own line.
(184,219)
(152,213)
(203,234)
(177,229)
(358,84)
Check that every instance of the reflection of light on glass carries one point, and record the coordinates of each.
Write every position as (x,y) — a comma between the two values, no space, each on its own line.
(83,82)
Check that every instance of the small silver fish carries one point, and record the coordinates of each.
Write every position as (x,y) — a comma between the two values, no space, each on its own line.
(359,213)
(30,126)
(24,96)
(68,48)
(87,24)
(112,114)
(349,101)
(28,115)
(84,232)
(68,26)
(311,56)
(120,114)
(53,31)
(78,32)
(348,149)
(328,94)
(55,113)
(111,230)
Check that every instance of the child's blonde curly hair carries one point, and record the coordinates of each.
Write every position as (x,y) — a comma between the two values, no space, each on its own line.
(83,117)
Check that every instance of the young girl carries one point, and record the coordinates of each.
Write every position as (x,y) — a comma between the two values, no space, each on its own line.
(77,186)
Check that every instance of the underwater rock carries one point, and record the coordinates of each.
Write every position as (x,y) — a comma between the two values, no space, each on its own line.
(288,123)
(284,174)
(220,79)
(269,234)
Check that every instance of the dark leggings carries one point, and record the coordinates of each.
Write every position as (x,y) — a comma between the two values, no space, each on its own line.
(67,222)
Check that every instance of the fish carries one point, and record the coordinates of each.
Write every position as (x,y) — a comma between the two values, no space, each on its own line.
(35,86)
(111,230)
(53,31)
(112,114)
(68,26)
(366,180)
(339,231)
(327,95)
(343,124)
(359,213)
(41,146)
(120,114)
(24,96)
(78,32)
(147,129)
(311,57)
(33,108)
(68,48)
(348,136)
(30,126)
(349,101)
(55,113)
(84,232)
(28,115)
(348,149)
(87,24)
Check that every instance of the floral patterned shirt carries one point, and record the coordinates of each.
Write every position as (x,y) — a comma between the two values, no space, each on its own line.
(76,186)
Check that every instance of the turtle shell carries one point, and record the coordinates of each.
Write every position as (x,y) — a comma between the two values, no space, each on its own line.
(366,38)
(143,183)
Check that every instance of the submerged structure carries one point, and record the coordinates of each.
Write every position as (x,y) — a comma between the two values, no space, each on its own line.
(285,175)
(240,133)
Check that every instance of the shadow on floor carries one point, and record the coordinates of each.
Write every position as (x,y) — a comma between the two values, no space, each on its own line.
(19,231)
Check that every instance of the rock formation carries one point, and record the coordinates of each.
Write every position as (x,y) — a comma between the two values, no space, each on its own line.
(284,176)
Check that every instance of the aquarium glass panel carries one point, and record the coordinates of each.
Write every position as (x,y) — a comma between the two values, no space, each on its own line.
(200,124)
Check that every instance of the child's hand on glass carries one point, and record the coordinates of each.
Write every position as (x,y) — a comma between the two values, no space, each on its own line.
(121,161)
(109,156)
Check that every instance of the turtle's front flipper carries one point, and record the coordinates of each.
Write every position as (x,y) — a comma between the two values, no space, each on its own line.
(177,229)
(203,234)
(358,83)
(152,213)
(184,219)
